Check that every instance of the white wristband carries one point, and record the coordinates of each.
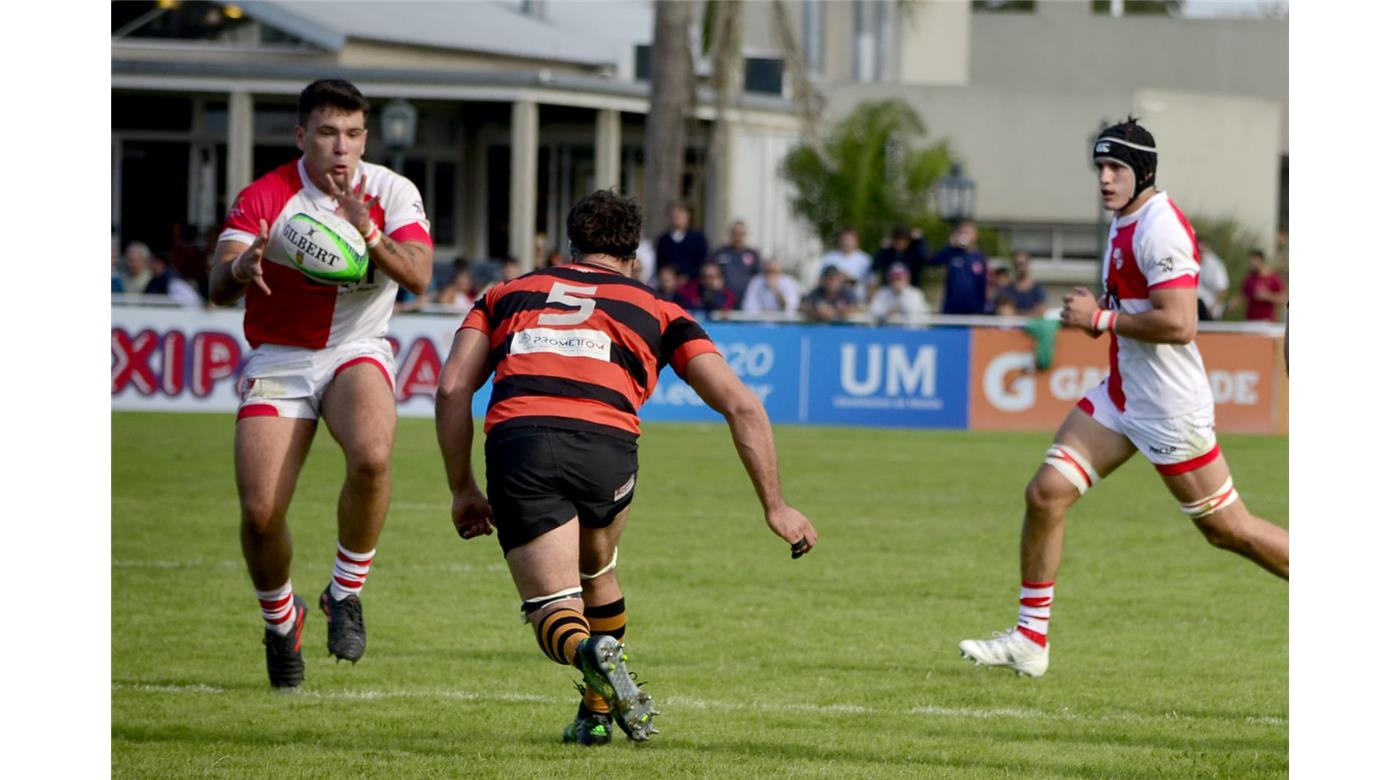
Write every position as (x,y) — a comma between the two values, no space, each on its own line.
(1104,319)
(374,238)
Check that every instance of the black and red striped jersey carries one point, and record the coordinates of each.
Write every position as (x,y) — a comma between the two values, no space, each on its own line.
(580,347)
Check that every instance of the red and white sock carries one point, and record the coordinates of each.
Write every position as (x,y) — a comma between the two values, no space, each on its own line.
(278,612)
(1034,621)
(348,576)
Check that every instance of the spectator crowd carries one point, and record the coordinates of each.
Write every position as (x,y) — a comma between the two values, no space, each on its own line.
(737,281)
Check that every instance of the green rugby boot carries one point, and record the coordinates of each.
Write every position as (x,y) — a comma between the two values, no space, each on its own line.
(604,668)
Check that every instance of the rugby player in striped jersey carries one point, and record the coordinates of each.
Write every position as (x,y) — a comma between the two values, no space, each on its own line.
(576,351)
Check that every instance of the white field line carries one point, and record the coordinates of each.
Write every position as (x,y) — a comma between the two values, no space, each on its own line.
(683,702)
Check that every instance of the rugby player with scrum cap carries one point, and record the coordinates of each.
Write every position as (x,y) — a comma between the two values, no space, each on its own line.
(319,352)
(576,351)
(1156,399)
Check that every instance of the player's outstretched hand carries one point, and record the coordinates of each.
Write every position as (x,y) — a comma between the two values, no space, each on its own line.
(1079,310)
(352,206)
(794,528)
(247,267)
(471,513)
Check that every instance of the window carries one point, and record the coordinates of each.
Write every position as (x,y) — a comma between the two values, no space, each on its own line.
(814,35)
(1003,6)
(444,219)
(874,40)
(151,112)
(1137,7)
(763,75)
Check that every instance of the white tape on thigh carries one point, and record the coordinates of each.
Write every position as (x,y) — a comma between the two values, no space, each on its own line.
(595,575)
(1073,466)
(530,606)
(1214,502)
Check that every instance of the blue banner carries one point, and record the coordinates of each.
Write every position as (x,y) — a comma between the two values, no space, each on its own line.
(836,375)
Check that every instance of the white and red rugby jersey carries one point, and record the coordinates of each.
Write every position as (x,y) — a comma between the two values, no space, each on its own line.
(1152,249)
(305,313)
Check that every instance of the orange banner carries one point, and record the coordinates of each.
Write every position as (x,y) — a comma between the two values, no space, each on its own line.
(1008,394)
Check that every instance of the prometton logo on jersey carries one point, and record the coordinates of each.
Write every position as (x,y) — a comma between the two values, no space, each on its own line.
(570,343)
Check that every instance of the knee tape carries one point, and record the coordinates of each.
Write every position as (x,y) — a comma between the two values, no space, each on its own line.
(1214,502)
(1073,466)
(530,606)
(595,575)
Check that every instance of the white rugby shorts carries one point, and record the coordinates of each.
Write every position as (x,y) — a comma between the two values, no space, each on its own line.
(1174,445)
(282,381)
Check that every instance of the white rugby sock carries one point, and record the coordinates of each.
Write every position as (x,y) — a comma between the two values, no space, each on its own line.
(278,611)
(348,575)
(1034,620)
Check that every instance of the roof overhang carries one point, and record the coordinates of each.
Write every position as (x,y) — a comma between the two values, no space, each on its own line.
(540,86)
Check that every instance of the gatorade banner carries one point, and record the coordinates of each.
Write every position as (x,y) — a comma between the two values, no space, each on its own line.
(1008,394)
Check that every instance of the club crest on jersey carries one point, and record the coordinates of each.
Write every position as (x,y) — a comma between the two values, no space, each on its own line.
(1117,258)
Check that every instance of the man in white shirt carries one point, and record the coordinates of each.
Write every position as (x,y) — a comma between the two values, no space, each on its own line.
(899,301)
(1212,285)
(852,262)
(772,291)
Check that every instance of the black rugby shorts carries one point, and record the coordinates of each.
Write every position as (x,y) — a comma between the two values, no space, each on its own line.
(538,479)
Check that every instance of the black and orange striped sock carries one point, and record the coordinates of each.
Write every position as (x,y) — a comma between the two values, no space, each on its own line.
(609,619)
(559,634)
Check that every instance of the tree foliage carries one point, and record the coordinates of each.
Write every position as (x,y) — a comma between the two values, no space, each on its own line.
(1233,243)
(876,177)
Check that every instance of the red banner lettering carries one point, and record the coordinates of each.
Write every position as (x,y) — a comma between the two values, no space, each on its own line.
(131,361)
(216,357)
(421,367)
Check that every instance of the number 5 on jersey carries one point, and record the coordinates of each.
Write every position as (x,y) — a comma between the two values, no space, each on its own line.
(564,293)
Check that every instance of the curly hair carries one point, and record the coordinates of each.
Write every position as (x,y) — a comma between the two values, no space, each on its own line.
(605,223)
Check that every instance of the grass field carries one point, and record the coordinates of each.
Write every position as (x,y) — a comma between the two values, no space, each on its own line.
(1170,657)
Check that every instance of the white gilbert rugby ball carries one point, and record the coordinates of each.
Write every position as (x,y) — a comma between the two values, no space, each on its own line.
(324,247)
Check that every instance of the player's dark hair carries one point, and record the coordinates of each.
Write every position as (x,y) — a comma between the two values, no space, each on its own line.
(333,93)
(605,223)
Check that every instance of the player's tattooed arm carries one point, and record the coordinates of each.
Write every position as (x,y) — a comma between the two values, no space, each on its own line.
(410,263)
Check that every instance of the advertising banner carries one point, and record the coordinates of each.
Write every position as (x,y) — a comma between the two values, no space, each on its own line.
(1008,394)
(167,359)
(835,375)
(189,360)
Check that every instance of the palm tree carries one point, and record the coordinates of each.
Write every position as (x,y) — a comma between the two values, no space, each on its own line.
(868,174)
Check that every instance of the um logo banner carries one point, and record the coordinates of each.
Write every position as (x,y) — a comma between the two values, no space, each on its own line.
(902,375)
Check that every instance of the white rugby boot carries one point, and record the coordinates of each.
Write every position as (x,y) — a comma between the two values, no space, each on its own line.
(1009,648)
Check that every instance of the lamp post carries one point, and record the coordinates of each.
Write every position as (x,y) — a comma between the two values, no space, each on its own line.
(955,195)
(399,123)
